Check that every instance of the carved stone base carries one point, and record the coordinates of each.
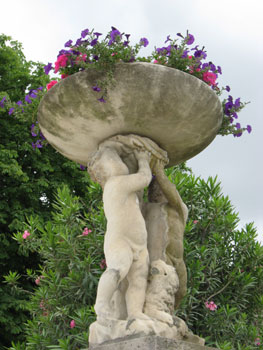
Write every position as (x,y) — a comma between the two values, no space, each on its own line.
(150,342)
(108,329)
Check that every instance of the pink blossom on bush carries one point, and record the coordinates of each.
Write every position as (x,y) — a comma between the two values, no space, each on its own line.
(82,57)
(72,324)
(26,234)
(86,231)
(211,306)
(60,62)
(210,78)
(52,83)
(37,281)
(195,221)
(103,264)
(257,341)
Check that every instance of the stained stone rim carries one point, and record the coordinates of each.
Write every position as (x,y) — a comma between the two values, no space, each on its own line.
(178,111)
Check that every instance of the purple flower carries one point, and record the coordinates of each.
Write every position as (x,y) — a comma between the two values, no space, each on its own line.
(219,69)
(179,34)
(212,67)
(227,88)
(11,110)
(115,35)
(27,99)
(200,54)
(63,52)
(96,57)
(127,36)
(235,115)
(32,93)
(144,42)
(185,54)
(40,88)
(96,88)
(84,33)
(2,102)
(79,42)
(48,68)
(97,34)
(168,39)
(82,167)
(237,103)
(249,129)
(101,100)
(93,42)
(68,43)
(42,136)
(32,130)
(126,43)
(238,126)
(190,39)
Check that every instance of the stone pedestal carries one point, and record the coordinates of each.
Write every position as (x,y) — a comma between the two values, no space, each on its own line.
(150,342)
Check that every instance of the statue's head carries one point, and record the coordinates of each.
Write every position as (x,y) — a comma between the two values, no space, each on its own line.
(106,163)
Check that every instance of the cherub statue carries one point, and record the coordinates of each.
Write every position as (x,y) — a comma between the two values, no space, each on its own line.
(125,243)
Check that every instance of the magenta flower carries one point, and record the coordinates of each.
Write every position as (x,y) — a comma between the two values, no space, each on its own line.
(257,341)
(61,62)
(52,83)
(72,324)
(211,306)
(86,231)
(26,234)
(210,78)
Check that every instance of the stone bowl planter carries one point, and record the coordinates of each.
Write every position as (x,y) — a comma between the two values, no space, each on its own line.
(179,112)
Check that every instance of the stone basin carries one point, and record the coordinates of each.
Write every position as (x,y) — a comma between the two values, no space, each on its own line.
(179,112)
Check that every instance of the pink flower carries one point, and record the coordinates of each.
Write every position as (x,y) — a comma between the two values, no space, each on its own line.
(103,264)
(257,341)
(52,83)
(63,76)
(37,281)
(42,304)
(26,234)
(72,324)
(60,62)
(210,78)
(195,221)
(86,231)
(114,53)
(81,57)
(211,306)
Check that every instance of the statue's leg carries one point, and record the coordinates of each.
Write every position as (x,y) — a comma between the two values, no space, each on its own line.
(137,278)
(119,259)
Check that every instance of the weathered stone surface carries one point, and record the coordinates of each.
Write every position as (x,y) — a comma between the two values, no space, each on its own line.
(179,112)
(148,343)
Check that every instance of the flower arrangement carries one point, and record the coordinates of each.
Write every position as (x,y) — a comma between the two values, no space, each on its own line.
(91,51)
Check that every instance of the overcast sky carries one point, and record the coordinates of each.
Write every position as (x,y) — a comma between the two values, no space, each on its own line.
(230,30)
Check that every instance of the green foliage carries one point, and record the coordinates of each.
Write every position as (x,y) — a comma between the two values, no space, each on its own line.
(224,266)
(28,179)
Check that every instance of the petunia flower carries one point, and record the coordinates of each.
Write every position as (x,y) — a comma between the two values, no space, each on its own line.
(101,100)
(86,231)
(68,43)
(48,68)
(190,39)
(61,62)
(144,42)
(84,33)
(249,129)
(52,83)
(11,110)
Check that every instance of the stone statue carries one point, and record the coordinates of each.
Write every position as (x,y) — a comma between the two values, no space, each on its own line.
(130,300)
(166,212)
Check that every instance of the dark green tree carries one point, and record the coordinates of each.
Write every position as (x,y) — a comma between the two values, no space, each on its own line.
(28,177)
